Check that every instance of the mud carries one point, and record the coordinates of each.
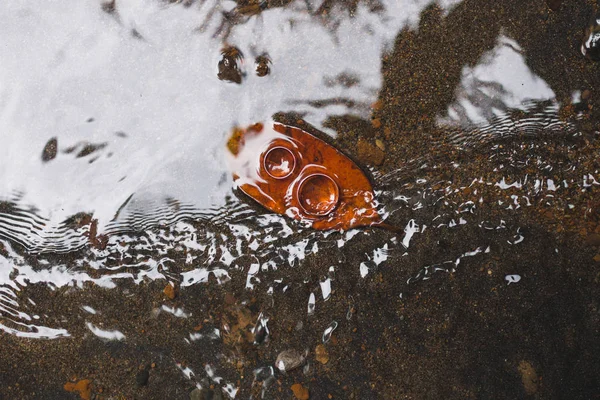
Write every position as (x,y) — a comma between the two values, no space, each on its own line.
(463,332)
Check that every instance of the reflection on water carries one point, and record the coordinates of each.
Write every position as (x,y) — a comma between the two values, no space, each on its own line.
(486,91)
(114,124)
(156,106)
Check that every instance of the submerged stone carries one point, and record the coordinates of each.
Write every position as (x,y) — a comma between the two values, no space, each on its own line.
(289,360)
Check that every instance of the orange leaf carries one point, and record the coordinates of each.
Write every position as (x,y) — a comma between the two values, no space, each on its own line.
(291,172)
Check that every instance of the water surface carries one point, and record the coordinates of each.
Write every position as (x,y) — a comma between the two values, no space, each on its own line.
(114,186)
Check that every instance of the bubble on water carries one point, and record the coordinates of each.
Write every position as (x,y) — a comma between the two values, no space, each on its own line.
(329,331)
(88,309)
(261,330)
(105,334)
(326,288)
(311,304)
(364,270)
(410,230)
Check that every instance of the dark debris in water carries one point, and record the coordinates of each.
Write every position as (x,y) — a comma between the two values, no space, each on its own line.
(84,149)
(263,65)
(50,150)
(230,65)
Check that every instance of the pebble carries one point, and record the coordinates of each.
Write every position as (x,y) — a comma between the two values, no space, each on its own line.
(529,377)
(289,360)
(300,392)
(322,355)
(586,94)
(169,291)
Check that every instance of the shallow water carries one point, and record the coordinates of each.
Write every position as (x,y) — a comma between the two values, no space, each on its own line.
(137,190)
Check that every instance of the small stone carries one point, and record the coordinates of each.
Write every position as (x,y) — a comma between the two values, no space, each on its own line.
(586,94)
(597,257)
(379,143)
(289,360)
(300,392)
(376,123)
(169,291)
(528,377)
(322,355)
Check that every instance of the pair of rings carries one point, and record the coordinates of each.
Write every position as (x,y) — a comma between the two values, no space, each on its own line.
(313,189)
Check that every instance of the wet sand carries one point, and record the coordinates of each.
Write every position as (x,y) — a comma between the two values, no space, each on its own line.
(460,334)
